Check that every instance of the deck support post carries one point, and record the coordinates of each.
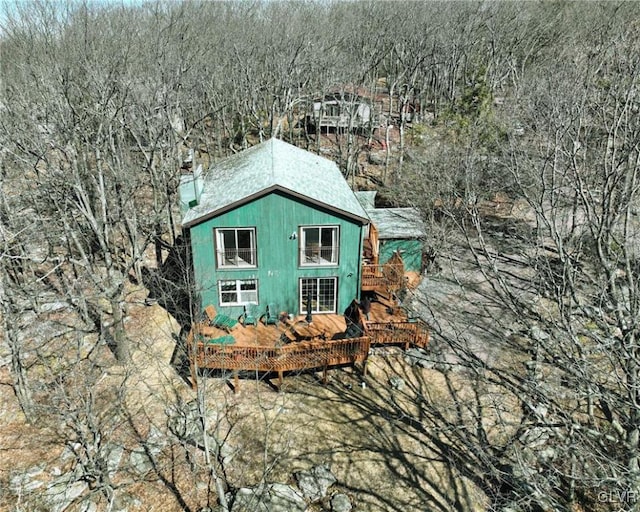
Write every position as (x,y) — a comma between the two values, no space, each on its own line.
(280,379)
(236,381)
(324,374)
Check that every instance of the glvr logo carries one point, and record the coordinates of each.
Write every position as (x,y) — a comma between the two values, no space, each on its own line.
(625,497)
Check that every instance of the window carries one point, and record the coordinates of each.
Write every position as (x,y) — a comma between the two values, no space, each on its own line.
(319,245)
(331,109)
(321,291)
(236,247)
(237,292)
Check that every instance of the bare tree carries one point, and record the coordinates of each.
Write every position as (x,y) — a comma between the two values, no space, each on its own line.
(551,285)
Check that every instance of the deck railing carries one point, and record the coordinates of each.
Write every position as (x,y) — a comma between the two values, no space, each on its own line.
(294,356)
(388,277)
(413,332)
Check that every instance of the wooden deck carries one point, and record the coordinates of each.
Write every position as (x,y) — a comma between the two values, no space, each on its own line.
(305,355)
(388,324)
(297,345)
(385,279)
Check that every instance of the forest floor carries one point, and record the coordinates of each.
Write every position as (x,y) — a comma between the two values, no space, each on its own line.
(380,460)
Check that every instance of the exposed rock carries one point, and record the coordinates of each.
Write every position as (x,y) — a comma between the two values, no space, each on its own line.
(396,382)
(375,159)
(540,410)
(442,367)
(186,424)
(140,462)
(340,503)
(114,456)
(248,500)
(546,455)
(418,357)
(285,497)
(538,334)
(49,307)
(227,452)
(69,452)
(32,485)
(380,351)
(36,470)
(156,440)
(25,482)
(315,483)
(269,498)
(89,506)
(62,492)
(535,437)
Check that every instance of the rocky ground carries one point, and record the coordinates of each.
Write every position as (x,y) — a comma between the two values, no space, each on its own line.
(309,447)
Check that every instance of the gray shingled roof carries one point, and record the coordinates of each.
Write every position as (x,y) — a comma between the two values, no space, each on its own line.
(392,223)
(367,198)
(397,223)
(269,166)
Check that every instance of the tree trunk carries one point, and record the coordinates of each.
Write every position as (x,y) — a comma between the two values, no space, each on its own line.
(215,475)
(387,135)
(120,338)
(20,379)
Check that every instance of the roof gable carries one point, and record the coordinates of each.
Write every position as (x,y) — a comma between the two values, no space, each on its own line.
(269,166)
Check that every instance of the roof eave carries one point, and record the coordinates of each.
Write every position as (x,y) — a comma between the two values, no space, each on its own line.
(274,188)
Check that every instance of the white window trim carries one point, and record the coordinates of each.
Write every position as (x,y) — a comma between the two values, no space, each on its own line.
(238,292)
(335,247)
(220,248)
(303,300)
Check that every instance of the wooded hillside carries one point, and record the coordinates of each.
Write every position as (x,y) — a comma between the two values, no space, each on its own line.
(514,126)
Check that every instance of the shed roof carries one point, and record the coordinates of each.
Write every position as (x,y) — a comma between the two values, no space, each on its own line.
(397,223)
(392,223)
(274,165)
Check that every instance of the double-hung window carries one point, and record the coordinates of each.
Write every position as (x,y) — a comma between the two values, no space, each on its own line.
(319,245)
(319,294)
(331,109)
(235,247)
(237,292)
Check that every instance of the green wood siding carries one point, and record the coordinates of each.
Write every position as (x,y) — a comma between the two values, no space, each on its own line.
(410,250)
(275,218)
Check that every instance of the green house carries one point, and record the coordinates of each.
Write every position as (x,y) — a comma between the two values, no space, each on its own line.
(274,225)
